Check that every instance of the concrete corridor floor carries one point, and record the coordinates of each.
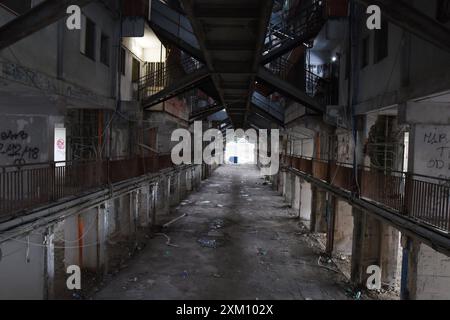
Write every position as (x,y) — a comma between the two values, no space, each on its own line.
(239,241)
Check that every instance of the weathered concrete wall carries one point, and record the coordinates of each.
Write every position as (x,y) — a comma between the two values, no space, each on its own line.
(96,240)
(428,274)
(22,268)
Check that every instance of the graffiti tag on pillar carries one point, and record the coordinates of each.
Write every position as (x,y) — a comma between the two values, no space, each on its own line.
(74,280)
(73,22)
(374,20)
(374,280)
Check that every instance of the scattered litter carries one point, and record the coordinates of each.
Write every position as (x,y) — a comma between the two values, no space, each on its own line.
(217,275)
(184,274)
(215,233)
(168,239)
(217,224)
(174,220)
(320,264)
(245,195)
(135,279)
(261,252)
(220,205)
(208,243)
(354,294)
(76,296)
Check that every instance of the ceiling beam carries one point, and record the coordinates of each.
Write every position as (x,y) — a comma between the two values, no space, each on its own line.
(39,17)
(409,18)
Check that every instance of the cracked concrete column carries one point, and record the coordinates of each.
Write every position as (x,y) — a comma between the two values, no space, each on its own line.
(143,196)
(89,230)
(343,228)
(374,243)
(318,210)
(296,193)
(305,202)
(366,245)
(183,183)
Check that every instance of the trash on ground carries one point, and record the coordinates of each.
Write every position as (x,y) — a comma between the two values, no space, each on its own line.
(166,225)
(217,224)
(169,243)
(208,243)
(261,252)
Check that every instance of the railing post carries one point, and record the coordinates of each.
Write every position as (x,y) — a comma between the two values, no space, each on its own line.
(52,181)
(408,193)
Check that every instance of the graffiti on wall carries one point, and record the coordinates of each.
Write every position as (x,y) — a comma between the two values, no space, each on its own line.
(433,149)
(14,145)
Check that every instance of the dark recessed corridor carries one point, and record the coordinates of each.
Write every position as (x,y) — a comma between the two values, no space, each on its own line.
(239,241)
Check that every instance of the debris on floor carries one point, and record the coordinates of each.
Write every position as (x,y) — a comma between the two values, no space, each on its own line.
(261,252)
(169,243)
(208,243)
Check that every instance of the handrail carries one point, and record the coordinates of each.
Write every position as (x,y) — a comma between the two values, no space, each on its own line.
(166,74)
(307,22)
(423,198)
(265,105)
(24,187)
(314,86)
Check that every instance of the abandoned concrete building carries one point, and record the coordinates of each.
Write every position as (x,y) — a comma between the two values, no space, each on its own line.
(87,178)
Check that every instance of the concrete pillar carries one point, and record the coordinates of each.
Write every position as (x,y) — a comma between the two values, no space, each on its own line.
(189,180)
(366,245)
(104,218)
(143,195)
(175,196)
(296,195)
(427,274)
(182,185)
(389,250)
(89,240)
(306,201)
(72,253)
(163,194)
(288,188)
(124,216)
(343,228)
(375,243)
(318,210)
(283,183)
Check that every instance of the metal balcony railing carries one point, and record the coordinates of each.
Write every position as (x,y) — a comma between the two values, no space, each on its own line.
(422,198)
(27,186)
(297,29)
(165,75)
(265,104)
(314,85)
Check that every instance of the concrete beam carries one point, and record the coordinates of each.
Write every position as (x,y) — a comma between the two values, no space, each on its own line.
(407,17)
(36,19)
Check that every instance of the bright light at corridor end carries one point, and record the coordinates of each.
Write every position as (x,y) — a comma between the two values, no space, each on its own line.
(240,151)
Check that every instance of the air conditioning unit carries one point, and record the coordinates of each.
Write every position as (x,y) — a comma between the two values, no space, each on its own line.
(336,116)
